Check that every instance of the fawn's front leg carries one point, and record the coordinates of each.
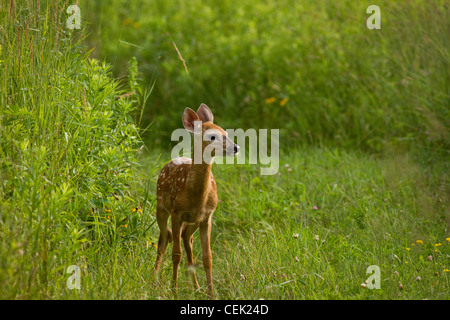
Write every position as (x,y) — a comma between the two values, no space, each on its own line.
(188,239)
(205,235)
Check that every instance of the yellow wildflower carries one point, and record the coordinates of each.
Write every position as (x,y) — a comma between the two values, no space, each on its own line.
(136,209)
(270,100)
(149,243)
(284,101)
(408,249)
(419,241)
(447,239)
(438,244)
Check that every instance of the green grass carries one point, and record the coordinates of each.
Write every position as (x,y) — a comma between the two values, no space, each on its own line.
(77,186)
(370,211)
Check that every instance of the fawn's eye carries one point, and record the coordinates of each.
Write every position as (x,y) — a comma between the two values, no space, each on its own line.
(213,138)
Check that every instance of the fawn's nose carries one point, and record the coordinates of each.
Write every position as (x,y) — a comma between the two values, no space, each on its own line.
(236,148)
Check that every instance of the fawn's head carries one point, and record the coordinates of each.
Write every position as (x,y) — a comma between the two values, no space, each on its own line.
(215,140)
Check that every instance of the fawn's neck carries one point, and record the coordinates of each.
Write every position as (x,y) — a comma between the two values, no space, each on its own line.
(199,178)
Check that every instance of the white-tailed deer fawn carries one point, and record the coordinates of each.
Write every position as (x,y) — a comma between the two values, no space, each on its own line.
(187,192)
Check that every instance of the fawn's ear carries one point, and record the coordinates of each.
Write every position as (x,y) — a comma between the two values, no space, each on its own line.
(204,113)
(189,116)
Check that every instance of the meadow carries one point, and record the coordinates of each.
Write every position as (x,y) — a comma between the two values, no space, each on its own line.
(85,122)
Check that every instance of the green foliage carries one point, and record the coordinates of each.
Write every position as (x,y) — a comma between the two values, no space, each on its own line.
(68,154)
(311,68)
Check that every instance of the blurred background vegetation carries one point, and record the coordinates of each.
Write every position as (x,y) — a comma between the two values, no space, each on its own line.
(310,68)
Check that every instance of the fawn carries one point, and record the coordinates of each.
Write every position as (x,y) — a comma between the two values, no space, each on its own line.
(187,192)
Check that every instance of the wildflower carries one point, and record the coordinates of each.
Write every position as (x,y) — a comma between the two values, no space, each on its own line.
(437,244)
(446,270)
(295,235)
(430,257)
(418,278)
(242,277)
(396,273)
(419,241)
(297,259)
(108,210)
(152,244)
(136,209)
(406,261)
(270,100)
(316,237)
(284,101)
(315,208)
(363,285)
(447,239)
(407,249)
(400,286)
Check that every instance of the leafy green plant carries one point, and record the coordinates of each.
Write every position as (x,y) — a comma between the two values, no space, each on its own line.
(68,153)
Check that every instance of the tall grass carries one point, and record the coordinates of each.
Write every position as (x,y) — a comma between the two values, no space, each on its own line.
(68,152)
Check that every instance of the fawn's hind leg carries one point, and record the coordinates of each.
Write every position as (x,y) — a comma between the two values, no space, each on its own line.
(176,249)
(165,234)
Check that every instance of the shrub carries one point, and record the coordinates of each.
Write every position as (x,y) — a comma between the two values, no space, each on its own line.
(68,152)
